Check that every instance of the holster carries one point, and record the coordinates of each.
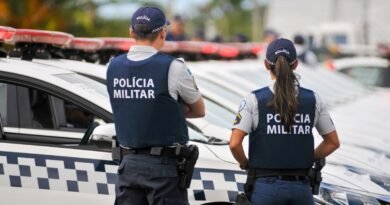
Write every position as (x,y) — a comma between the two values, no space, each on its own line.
(316,176)
(116,151)
(187,157)
(242,199)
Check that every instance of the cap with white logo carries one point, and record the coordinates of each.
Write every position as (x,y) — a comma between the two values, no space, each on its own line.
(281,47)
(152,17)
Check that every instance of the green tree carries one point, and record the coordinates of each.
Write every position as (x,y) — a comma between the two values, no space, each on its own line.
(78,17)
(234,16)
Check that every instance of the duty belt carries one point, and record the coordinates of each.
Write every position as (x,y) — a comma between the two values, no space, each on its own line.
(291,178)
(277,172)
(154,151)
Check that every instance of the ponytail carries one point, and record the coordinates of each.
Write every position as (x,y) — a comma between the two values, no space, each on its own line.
(285,100)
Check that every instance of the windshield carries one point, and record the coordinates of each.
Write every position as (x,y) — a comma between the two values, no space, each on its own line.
(85,83)
(218,90)
(239,85)
(218,115)
(260,79)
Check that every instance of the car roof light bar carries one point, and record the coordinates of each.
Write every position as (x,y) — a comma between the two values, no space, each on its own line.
(40,36)
(202,47)
(248,48)
(85,44)
(170,47)
(257,48)
(227,51)
(210,48)
(122,44)
(6,33)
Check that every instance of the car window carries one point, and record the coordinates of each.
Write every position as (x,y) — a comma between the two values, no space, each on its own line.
(69,116)
(218,115)
(218,90)
(3,103)
(40,110)
(85,83)
(8,108)
(77,117)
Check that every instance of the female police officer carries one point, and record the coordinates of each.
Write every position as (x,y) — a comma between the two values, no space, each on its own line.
(279,120)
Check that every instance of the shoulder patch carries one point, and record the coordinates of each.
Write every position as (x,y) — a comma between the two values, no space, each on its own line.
(238,119)
(189,74)
(242,106)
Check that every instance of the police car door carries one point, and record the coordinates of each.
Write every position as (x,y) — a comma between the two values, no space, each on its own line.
(43,118)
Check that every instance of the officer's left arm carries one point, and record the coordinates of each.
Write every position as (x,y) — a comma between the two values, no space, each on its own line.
(236,147)
(181,83)
(243,124)
(327,146)
(195,110)
(326,129)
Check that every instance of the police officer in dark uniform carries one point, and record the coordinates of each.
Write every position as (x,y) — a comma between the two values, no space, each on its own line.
(279,120)
(151,94)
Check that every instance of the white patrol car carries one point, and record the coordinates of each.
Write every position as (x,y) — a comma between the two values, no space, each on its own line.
(45,109)
(41,149)
(44,105)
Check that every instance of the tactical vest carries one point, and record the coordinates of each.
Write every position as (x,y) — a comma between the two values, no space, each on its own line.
(145,114)
(272,146)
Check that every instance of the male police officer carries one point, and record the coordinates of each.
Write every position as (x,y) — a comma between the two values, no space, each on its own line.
(151,94)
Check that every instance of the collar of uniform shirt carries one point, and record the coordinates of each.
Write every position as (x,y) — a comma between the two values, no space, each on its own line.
(138,52)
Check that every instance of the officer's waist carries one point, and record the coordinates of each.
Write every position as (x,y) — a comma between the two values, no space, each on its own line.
(155,151)
(277,172)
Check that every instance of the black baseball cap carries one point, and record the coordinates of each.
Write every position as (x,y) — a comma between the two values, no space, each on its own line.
(281,47)
(152,17)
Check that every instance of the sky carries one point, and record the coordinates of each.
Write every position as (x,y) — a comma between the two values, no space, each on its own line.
(125,10)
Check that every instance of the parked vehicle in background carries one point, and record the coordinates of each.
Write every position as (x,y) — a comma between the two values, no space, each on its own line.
(371,71)
(336,27)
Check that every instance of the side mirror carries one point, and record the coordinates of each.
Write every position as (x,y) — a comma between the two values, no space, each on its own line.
(102,135)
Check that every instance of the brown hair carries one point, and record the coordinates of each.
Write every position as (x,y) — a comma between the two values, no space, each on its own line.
(143,32)
(285,100)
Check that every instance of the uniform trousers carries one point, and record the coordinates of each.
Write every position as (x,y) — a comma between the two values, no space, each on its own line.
(273,191)
(149,180)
